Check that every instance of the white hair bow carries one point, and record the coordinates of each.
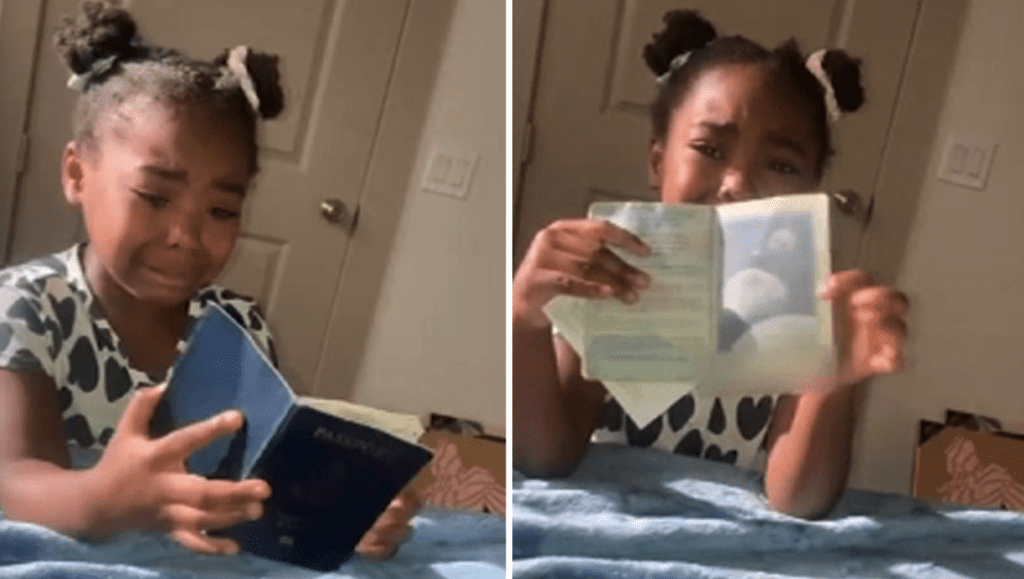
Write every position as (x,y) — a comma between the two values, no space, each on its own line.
(80,81)
(673,66)
(236,64)
(815,67)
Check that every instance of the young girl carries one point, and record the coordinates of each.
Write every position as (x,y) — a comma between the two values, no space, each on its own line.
(732,121)
(163,153)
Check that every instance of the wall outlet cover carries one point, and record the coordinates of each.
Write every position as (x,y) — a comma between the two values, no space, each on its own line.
(450,173)
(967,159)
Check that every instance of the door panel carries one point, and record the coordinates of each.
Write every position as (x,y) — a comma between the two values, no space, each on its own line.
(19,33)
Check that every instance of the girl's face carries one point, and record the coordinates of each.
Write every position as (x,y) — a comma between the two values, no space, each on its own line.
(737,135)
(162,196)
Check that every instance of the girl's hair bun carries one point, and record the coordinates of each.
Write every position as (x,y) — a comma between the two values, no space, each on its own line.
(99,31)
(262,69)
(267,79)
(685,31)
(844,73)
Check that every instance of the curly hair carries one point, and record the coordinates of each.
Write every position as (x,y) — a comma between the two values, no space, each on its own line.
(686,32)
(112,65)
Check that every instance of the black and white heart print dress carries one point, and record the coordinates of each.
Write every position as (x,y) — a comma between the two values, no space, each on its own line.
(51,323)
(724,428)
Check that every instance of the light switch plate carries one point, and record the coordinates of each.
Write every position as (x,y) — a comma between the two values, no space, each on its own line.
(449,173)
(967,159)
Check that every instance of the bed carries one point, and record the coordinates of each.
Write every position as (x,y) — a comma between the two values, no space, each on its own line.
(641,513)
(445,544)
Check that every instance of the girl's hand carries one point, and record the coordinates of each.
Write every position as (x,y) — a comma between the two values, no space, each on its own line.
(871,328)
(142,482)
(391,528)
(570,257)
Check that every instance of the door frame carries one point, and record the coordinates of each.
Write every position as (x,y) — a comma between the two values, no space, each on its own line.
(528,28)
(20,39)
(912,137)
(383,196)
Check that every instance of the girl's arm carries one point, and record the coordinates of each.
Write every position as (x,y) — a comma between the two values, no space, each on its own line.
(34,460)
(811,436)
(139,483)
(554,410)
(809,446)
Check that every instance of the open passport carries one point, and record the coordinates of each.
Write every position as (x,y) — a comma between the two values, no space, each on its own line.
(333,467)
(732,305)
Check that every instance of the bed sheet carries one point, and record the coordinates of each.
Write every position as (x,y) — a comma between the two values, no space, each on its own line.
(630,512)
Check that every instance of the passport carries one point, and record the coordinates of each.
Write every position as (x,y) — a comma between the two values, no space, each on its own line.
(333,467)
(731,306)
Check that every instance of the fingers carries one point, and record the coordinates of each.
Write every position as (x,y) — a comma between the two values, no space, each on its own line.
(859,291)
(217,495)
(870,323)
(202,543)
(376,550)
(410,501)
(390,531)
(213,505)
(185,441)
(555,282)
(567,274)
(615,235)
(588,241)
(587,235)
(395,518)
(381,542)
(604,267)
(841,284)
(139,411)
(879,312)
(391,528)
(885,299)
(571,257)
(604,263)
(189,518)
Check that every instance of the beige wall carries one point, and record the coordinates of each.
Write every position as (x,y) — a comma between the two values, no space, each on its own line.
(438,339)
(964,270)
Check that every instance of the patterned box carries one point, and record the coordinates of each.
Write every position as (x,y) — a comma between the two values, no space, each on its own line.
(972,463)
(468,472)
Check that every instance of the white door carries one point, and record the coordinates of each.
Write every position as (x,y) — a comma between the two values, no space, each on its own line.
(339,61)
(589,128)
(19,34)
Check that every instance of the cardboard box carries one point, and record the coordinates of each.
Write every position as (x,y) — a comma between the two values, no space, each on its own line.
(969,461)
(468,472)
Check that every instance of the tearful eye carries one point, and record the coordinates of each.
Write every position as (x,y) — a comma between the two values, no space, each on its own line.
(154,201)
(785,168)
(224,214)
(710,151)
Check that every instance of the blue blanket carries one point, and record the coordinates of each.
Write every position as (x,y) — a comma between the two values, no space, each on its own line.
(639,513)
(444,545)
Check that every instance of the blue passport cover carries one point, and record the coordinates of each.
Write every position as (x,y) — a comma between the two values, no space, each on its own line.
(330,478)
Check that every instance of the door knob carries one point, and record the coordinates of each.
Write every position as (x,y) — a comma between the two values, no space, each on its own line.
(848,201)
(333,210)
